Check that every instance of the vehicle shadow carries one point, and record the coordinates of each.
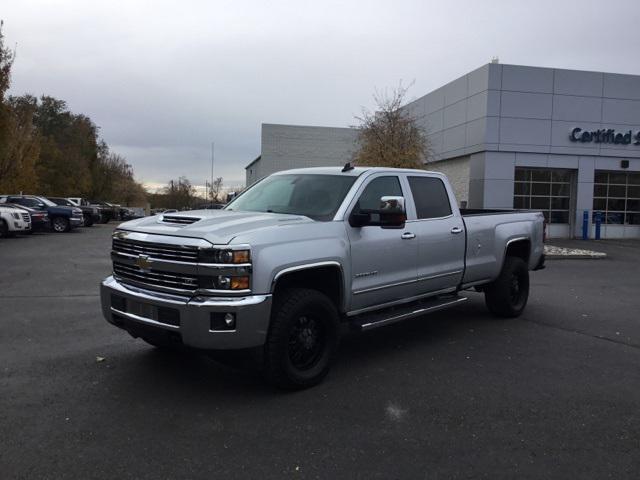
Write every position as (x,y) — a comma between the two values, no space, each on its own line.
(150,372)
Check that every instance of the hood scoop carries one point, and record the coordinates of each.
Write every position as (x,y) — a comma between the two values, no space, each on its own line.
(179,219)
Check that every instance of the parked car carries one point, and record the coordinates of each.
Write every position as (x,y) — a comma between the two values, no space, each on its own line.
(108,211)
(90,214)
(63,219)
(305,254)
(131,213)
(13,221)
(39,219)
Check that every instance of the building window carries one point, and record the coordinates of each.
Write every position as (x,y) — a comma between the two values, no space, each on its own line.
(544,190)
(617,196)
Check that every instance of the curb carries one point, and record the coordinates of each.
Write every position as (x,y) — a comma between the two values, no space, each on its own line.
(575,257)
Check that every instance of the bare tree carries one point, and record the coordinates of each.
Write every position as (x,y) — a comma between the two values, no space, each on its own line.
(216,188)
(391,136)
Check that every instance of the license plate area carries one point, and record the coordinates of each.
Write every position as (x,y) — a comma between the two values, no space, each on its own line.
(144,310)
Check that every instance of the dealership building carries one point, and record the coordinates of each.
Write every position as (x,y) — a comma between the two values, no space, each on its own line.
(558,141)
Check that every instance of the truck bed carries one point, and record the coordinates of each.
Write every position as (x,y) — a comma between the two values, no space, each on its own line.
(489,232)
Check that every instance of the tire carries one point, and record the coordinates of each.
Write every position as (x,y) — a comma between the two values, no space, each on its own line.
(88,221)
(4,229)
(60,225)
(508,294)
(302,339)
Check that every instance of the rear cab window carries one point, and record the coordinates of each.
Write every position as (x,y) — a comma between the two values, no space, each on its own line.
(430,197)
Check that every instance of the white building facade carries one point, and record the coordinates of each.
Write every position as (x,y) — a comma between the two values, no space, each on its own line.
(558,141)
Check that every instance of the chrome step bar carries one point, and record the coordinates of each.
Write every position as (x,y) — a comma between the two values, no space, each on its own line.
(397,314)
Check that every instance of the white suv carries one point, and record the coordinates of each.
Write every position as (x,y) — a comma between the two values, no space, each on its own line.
(13,220)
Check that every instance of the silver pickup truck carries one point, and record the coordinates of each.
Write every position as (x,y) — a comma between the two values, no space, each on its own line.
(304,255)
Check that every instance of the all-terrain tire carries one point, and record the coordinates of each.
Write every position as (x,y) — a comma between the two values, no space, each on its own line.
(508,294)
(302,339)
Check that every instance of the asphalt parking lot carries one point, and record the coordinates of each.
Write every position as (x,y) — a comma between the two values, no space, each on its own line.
(458,394)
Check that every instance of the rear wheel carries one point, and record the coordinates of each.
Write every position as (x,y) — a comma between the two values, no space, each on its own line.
(508,294)
(302,339)
(60,225)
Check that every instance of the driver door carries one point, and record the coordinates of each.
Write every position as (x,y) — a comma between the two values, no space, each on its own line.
(383,260)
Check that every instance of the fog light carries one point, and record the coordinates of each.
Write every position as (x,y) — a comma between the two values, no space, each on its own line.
(230,320)
(222,321)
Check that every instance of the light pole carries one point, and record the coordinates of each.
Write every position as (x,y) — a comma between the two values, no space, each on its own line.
(211,185)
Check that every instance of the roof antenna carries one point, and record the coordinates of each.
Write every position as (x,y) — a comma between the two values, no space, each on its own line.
(347,167)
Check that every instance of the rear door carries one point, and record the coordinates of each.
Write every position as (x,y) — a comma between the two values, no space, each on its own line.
(383,260)
(439,233)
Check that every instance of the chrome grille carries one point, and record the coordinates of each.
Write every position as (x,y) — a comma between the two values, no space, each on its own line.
(160,251)
(156,278)
(26,217)
(179,219)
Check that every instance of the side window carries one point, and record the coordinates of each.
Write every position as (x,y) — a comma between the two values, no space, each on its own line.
(377,188)
(430,197)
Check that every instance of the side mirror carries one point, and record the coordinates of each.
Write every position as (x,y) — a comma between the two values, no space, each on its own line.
(41,205)
(390,214)
(393,213)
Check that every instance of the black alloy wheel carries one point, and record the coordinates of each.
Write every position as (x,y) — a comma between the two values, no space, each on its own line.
(302,338)
(306,342)
(507,296)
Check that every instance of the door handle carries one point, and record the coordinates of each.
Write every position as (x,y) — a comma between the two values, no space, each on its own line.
(408,236)
(455,230)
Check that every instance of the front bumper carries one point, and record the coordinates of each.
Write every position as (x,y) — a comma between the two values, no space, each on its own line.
(76,221)
(194,329)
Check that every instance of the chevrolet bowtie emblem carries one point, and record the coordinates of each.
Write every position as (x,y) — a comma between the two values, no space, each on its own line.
(143,262)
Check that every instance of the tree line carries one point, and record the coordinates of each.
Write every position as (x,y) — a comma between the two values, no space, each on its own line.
(46,149)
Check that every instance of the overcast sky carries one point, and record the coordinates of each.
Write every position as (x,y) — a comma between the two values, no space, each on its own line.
(164,79)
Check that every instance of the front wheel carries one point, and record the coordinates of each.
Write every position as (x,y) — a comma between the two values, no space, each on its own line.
(4,229)
(60,225)
(302,339)
(508,294)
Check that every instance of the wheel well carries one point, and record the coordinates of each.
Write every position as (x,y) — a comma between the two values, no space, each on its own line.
(327,280)
(520,249)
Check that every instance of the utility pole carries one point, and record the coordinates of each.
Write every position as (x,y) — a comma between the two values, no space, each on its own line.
(212,148)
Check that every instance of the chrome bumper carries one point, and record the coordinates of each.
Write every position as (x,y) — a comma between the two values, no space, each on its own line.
(194,328)
(76,221)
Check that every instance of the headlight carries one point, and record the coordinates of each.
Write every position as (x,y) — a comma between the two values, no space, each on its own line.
(216,255)
(16,216)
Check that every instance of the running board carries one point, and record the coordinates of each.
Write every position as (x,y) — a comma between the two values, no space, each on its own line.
(368,321)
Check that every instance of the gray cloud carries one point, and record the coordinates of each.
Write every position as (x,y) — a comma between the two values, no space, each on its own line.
(164,79)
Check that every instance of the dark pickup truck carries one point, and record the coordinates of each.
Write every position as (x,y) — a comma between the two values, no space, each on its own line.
(90,213)
(63,219)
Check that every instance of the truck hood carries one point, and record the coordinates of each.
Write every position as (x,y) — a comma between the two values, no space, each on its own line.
(216,226)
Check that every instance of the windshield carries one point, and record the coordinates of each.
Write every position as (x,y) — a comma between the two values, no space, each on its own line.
(315,196)
(61,201)
(46,201)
